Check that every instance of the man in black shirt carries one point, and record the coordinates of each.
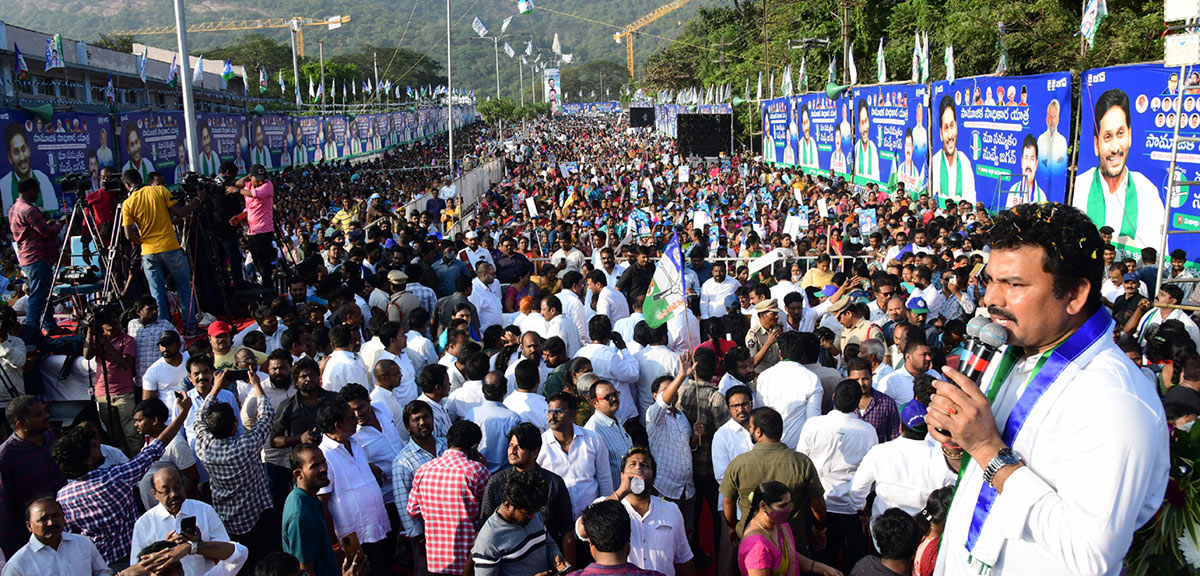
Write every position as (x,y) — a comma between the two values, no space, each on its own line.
(1129,300)
(636,279)
(296,418)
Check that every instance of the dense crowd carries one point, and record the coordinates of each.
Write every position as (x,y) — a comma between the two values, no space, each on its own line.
(430,386)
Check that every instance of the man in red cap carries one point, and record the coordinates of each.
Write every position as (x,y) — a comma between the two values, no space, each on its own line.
(220,336)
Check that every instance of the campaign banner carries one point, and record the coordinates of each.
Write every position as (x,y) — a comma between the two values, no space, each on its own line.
(398,126)
(222,139)
(271,141)
(891,136)
(815,144)
(1126,131)
(69,144)
(722,108)
(357,129)
(1007,137)
(335,145)
(591,108)
(552,88)
(381,132)
(776,115)
(309,139)
(154,141)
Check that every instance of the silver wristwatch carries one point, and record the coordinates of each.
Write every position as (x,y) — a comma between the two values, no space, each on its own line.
(1006,457)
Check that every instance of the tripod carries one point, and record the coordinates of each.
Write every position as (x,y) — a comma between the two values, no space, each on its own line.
(108,290)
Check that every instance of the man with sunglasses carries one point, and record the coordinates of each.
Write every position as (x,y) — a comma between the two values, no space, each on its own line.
(605,398)
(885,288)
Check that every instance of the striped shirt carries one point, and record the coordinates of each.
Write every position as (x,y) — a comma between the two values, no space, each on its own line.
(503,548)
(615,438)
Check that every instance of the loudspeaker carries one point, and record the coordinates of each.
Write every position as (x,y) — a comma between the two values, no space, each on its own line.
(641,117)
(702,134)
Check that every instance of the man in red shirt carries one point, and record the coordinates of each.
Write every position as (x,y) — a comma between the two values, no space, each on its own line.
(37,250)
(115,351)
(446,493)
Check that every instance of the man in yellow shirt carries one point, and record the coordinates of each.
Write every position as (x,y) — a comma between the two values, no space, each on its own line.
(351,209)
(146,218)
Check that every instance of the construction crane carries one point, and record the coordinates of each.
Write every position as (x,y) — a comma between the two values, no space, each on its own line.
(298,23)
(630,30)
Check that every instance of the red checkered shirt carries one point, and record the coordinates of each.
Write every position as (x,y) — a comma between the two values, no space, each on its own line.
(446,493)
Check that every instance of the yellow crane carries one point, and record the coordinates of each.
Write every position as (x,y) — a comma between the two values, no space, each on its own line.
(297,23)
(630,30)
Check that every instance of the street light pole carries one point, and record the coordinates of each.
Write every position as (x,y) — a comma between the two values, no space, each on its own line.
(321,51)
(189,112)
(449,93)
(295,27)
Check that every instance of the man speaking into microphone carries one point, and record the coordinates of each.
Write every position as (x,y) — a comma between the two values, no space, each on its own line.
(1066,442)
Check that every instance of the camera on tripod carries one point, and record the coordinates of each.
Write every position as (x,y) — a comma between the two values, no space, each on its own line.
(194,182)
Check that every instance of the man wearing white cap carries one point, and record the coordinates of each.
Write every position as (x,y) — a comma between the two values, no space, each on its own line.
(473,254)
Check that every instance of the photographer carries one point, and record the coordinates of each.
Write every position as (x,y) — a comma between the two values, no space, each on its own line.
(146,218)
(115,390)
(37,250)
(260,200)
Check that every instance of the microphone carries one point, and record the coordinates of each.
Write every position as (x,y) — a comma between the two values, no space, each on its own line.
(979,353)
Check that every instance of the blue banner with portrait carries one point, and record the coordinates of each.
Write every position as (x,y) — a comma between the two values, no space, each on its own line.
(1125,135)
(1006,137)
(815,143)
(69,144)
(154,142)
(891,136)
(776,115)
(222,139)
(590,108)
(271,141)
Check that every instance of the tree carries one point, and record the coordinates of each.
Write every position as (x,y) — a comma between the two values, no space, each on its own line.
(115,42)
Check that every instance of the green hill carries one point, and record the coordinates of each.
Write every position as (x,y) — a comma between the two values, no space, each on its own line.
(584,27)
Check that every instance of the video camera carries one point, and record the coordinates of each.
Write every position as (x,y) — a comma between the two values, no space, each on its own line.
(194,182)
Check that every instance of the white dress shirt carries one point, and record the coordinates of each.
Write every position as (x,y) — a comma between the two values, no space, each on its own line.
(394,403)
(423,348)
(491,313)
(564,328)
(795,392)
(76,555)
(407,390)
(713,295)
(730,441)
(903,473)
(462,400)
(657,541)
(510,373)
(369,354)
(157,523)
(573,308)
(382,445)
(618,367)
(836,443)
(653,361)
(344,367)
(899,385)
(612,304)
(356,504)
(583,468)
(625,327)
(530,407)
(681,336)
(1096,457)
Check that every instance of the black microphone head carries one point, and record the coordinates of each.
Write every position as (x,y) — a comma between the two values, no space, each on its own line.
(993,335)
(975,325)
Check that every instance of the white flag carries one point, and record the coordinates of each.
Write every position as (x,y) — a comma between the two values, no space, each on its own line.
(880,64)
(758,93)
(504,26)
(509,50)
(198,71)
(479,28)
(950,64)
(556,47)
(916,57)
(853,69)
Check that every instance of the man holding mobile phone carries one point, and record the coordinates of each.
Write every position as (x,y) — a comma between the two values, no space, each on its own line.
(199,537)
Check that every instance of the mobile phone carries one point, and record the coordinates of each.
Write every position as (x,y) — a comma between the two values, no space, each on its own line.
(237,375)
(187,526)
(350,545)
(563,571)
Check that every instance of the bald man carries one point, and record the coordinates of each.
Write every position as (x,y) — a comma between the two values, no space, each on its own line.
(201,548)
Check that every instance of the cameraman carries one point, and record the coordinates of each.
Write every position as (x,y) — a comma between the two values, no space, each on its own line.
(260,199)
(101,204)
(37,251)
(146,218)
(224,208)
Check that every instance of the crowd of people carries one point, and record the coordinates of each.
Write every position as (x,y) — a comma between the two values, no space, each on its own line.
(448,388)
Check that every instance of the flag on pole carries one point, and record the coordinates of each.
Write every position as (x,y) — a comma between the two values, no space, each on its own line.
(227,71)
(320,93)
(110,94)
(354,89)
(311,91)
(509,50)
(343,92)
(245,81)
(525,6)
(853,68)
(262,80)
(22,68)
(832,73)
(949,60)
(142,66)
(567,58)
(880,64)
(555,46)
(785,87)
(54,58)
(282,89)
(198,72)
(174,70)
(802,83)
(665,297)
(479,28)
(925,59)
(916,57)
(1093,15)
(529,48)
(410,93)
(1002,65)
(504,26)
